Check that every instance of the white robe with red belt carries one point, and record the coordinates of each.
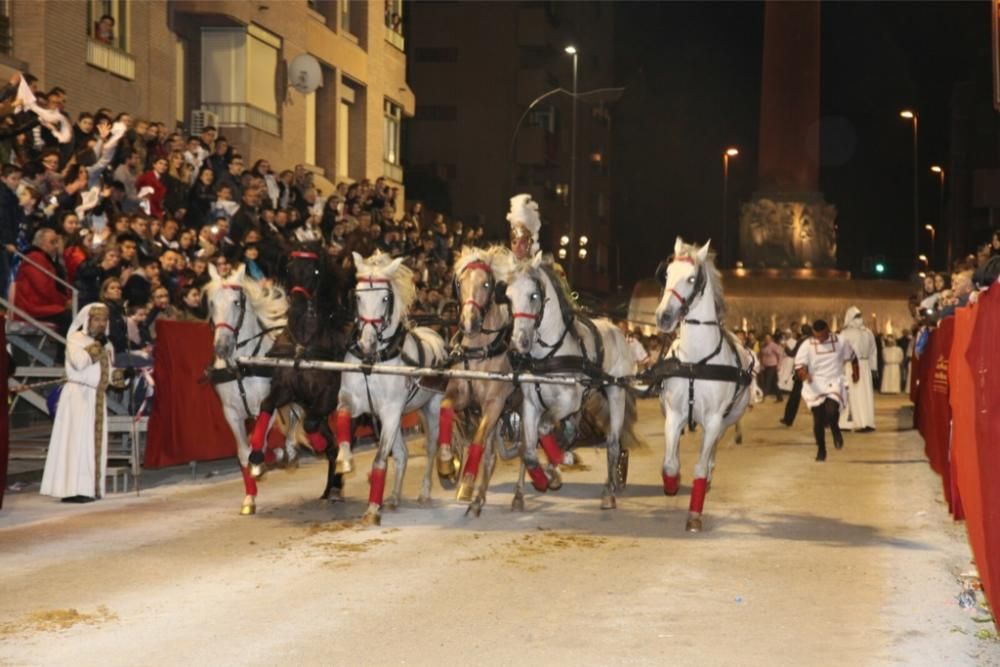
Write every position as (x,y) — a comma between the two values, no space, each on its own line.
(825,363)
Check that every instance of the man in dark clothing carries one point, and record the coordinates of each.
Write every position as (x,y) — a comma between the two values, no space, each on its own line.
(138,289)
(10,219)
(792,407)
(247,217)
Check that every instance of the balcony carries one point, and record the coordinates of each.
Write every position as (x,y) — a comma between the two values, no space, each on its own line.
(108,58)
(239,114)
(393,172)
(395,38)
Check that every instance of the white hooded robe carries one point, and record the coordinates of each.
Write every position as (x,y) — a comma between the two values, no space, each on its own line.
(860,394)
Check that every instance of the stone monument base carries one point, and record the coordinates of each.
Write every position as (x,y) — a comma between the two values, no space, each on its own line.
(788,230)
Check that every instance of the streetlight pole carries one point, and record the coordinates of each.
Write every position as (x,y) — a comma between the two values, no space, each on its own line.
(912,115)
(933,232)
(726,154)
(571,50)
(940,172)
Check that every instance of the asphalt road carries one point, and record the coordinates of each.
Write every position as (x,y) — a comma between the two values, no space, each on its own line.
(850,562)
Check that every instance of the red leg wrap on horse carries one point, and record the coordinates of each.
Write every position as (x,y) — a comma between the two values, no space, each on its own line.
(260,431)
(447,419)
(249,483)
(538,479)
(317,441)
(697,495)
(271,456)
(551,448)
(671,484)
(472,458)
(377,488)
(343,428)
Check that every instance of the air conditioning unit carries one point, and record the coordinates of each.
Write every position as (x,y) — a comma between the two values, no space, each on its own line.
(200,119)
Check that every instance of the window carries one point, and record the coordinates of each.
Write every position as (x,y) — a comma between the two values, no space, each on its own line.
(394,15)
(6,34)
(108,22)
(345,15)
(390,151)
(239,67)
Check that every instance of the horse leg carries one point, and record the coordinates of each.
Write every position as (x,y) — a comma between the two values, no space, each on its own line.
(529,423)
(376,489)
(448,465)
(549,444)
(291,423)
(473,457)
(400,458)
(236,423)
(673,423)
(616,412)
(702,470)
(486,433)
(739,432)
(517,504)
(345,412)
(279,397)
(431,411)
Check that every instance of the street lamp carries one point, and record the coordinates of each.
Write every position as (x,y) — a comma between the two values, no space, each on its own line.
(923,258)
(728,153)
(933,232)
(571,50)
(910,115)
(940,172)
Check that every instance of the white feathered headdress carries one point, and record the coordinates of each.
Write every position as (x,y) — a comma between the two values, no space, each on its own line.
(524,213)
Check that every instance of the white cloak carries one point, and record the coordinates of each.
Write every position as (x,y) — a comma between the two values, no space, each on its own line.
(825,363)
(892,378)
(71,465)
(860,394)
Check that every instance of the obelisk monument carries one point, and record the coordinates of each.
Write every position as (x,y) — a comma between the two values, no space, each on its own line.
(788,223)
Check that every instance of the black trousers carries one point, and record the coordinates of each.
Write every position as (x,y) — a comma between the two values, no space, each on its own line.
(792,407)
(770,381)
(826,414)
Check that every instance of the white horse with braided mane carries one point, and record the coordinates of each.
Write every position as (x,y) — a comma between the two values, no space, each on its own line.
(384,293)
(248,318)
(713,388)
(561,342)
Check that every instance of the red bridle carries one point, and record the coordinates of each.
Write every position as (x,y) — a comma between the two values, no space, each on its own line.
(482,266)
(375,322)
(674,292)
(225,325)
(298,289)
(302,254)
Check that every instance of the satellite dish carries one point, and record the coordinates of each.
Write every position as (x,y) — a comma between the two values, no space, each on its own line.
(304,74)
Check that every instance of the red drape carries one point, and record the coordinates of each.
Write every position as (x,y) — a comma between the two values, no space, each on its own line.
(4,400)
(187,422)
(964,457)
(984,365)
(933,413)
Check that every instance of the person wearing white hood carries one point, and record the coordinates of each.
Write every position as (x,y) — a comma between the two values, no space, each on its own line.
(860,415)
(78,449)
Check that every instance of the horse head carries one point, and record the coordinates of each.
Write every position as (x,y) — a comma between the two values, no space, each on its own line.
(527,292)
(479,276)
(227,302)
(383,294)
(305,271)
(684,278)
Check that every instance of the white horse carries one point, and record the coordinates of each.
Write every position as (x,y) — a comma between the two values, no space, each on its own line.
(384,293)
(247,318)
(560,343)
(692,300)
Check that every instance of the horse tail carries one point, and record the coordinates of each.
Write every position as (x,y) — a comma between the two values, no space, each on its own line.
(598,417)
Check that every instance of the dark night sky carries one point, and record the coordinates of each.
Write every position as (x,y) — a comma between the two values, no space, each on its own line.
(693,76)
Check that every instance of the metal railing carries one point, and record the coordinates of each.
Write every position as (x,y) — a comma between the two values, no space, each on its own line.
(240,114)
(74,292)
(106,57)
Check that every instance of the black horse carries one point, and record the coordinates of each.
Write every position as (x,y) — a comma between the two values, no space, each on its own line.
(316,330)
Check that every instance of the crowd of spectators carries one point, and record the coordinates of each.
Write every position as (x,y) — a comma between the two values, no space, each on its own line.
(130,212)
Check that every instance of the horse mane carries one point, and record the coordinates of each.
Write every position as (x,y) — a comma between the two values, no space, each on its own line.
(546,267)
(401,279)
(712,274)
(269,303)
(499,257)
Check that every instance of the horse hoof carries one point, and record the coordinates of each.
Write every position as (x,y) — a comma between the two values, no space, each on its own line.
(344,467)
(371,518)
(256,471)
(449,471)
(392,503)
(570,459)
(249,508)
(555,479)
(475,508)
(517,505)
(671,484)
(465,489)
(693,524)
(739,439)
(608,502)
(333,495)
(291,464)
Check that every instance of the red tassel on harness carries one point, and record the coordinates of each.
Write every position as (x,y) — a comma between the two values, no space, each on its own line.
(671,484)
(317,441)
(377,488)
(260,431)
(697,495)
(249,483)
(472,458)
(343,428)
(447,419)
(551,448)
(538,479)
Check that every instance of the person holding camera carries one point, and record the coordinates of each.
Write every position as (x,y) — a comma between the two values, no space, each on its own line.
(77,459)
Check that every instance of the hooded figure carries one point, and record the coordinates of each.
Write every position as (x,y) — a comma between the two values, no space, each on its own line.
(77,460)
(861,396)
(524,226)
